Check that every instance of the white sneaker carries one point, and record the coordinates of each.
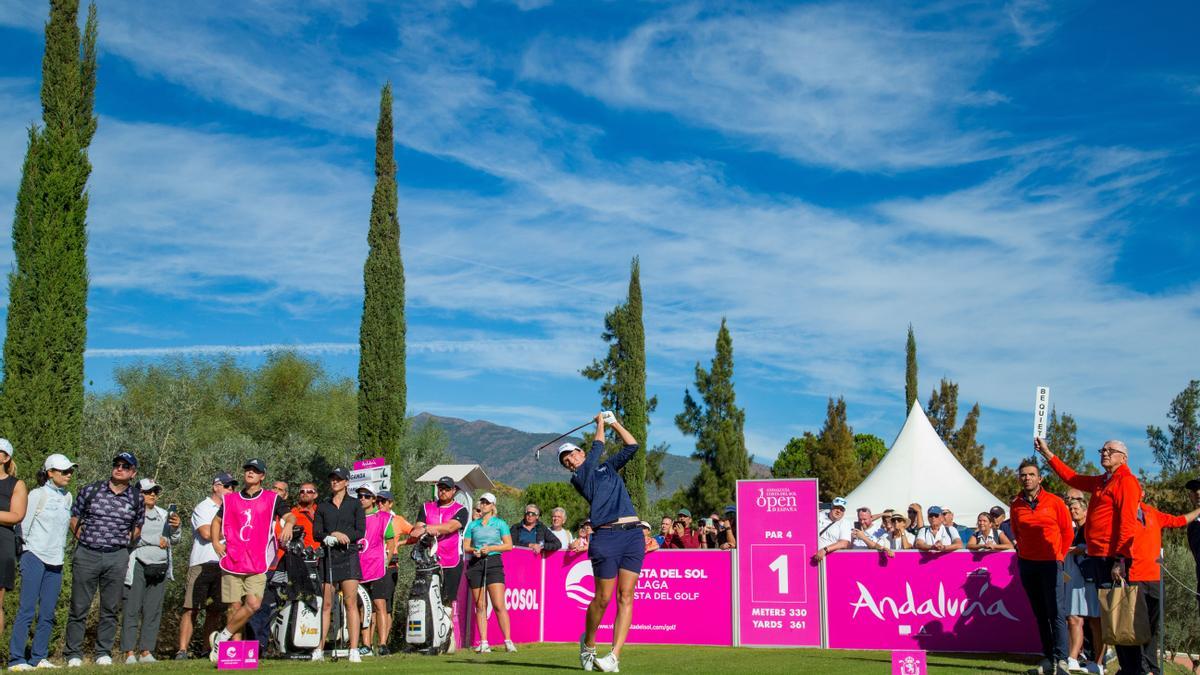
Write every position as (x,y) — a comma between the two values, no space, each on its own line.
(131,660)
(74,662)
(608,663)
(213,652)
(355,657)
(587,655)
(46,663)
(452,644)
(318,655)
(147,658)
(105,660)
(20,666)
(509,646)
(483,648)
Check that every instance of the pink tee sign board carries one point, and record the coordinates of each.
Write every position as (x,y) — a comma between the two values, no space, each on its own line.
(522,595)
(779,591)
(908,663)
(963,602)
(237,655)
(683,597)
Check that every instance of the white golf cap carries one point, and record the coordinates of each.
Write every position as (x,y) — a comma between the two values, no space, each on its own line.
(367,488)
(58,463)
(839,502)
(148,484)
(567,447)
(644,524)
(487,497)
(6,446)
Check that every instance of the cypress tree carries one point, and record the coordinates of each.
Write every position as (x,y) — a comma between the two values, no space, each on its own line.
(943,410)
(42,407)
(910,372)
(718,425)
(381,385)
(622,376)
(835,463)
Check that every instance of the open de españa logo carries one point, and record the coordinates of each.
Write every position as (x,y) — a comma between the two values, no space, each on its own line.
(777,500)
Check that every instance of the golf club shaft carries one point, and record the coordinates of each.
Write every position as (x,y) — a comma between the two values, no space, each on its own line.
(560,437)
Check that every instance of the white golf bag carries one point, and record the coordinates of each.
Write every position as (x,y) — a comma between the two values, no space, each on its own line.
(430,624)
(295,626)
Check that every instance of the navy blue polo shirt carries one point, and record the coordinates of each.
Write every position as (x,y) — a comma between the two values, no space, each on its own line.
(602,486)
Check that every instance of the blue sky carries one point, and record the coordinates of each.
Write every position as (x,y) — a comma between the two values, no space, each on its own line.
(1017,180)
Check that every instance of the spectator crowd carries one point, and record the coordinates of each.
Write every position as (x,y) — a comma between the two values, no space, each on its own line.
(1100,534)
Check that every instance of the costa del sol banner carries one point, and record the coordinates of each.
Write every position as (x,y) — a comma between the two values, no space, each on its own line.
(959,601)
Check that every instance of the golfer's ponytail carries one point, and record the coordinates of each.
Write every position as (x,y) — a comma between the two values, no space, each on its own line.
(42,477)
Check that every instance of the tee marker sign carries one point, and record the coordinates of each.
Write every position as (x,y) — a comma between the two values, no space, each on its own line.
(1041,407)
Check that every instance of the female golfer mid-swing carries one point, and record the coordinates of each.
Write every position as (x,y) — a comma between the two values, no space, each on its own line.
(617,547)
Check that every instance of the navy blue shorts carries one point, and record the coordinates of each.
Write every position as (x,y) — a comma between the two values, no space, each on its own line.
(610,550)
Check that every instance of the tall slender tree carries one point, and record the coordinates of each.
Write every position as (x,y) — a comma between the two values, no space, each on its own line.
(835,463)
(381,385)
(943,410)
(718,425)
(622,376)
(42,405)
(910,371)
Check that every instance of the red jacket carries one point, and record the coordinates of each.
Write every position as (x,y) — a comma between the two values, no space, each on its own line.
(1112,522)
(1044,529)
(687,540)
(1148,545)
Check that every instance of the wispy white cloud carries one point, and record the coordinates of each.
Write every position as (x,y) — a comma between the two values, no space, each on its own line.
(852,86)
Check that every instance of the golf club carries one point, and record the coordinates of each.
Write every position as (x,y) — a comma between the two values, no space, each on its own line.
(538,453)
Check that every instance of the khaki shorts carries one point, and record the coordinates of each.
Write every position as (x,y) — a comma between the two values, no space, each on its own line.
(234,587)
(203,583)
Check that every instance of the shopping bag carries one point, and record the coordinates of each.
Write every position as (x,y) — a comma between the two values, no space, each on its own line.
(1123,615)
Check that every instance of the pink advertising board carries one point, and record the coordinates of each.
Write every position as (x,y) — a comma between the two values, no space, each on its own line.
(963,602)
(683,597)
(522,595)
(779,590)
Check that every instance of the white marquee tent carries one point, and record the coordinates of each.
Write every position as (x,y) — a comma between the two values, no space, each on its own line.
(920,468)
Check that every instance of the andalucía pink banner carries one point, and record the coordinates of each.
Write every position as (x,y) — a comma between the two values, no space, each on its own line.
(682,597)
(964,602)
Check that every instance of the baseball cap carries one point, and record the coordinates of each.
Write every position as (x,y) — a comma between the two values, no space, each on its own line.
(996,511)
(446,482)
(935,511)
(128,458)
(644,524)
(839,502)
(6,446)
(565,448)
(900,516)
(256,464)
(340,473)
(367,488)
(731,509)
(684,512)
(487,497)
(58,463)
(148,484)
(224,478)
(385,494)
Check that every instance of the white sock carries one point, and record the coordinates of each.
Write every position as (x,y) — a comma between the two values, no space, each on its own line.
(223,635)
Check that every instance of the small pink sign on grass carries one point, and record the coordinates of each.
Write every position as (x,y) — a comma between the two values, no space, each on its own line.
(908,662)
(237,655)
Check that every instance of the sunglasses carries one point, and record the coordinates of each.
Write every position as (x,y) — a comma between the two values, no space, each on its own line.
(363,495)
(123,466)
(484,501)
(307,491)
(230,486)
(65,472)
(532,513)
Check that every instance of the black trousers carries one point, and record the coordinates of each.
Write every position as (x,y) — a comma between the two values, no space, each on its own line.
(1143,658)
(1042,580)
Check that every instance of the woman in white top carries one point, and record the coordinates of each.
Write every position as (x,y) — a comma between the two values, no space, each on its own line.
(988,537)
(44,530)
(898,537)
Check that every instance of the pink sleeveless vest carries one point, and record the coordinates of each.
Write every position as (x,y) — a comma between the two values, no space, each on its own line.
(449,545)
(249,531)
(372,551)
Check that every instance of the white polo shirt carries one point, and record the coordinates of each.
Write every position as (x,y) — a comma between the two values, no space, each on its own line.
(875,534)
(946,536)
(830,532)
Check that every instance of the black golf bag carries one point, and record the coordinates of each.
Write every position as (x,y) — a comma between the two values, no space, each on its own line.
(295,626)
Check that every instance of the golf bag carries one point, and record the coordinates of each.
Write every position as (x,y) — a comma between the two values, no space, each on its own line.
(295,626)
(430,628)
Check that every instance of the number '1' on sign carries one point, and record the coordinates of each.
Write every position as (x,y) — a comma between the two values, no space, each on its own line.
(1041,409)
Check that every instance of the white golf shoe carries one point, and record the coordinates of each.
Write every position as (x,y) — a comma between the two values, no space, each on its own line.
(608,663)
